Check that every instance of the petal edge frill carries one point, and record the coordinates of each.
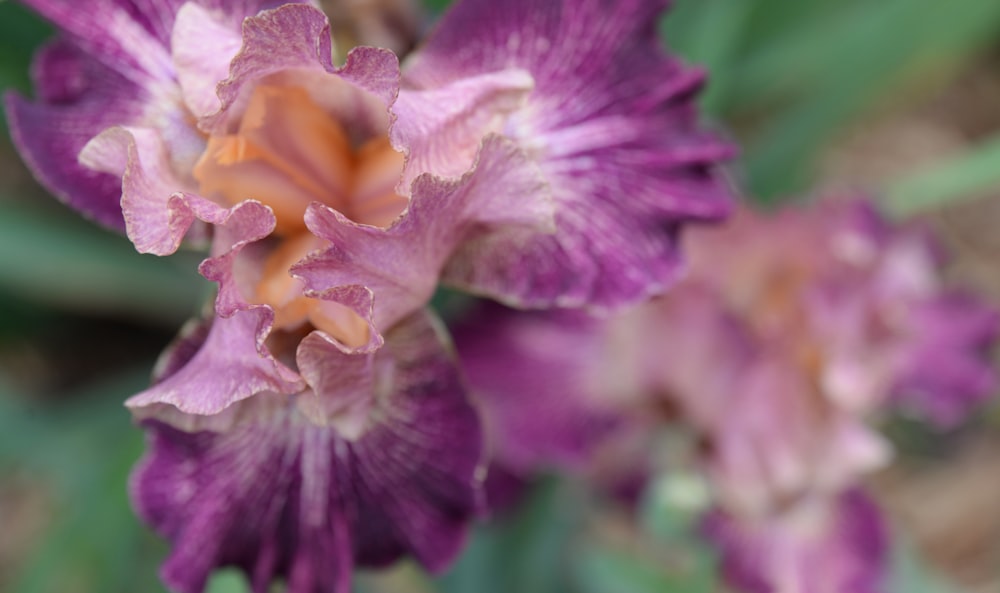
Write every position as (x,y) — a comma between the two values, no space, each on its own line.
(282,497)
(612,123)
(401,264)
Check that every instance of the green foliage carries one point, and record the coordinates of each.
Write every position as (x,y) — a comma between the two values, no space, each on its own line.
(963,177)
(53,257)
(525,552)
(789,76)
(83,451)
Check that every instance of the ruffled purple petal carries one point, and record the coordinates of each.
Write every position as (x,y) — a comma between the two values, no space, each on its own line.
(232,365)
(823,546)
(112,67)
(948,369)
(294,40)
(612,123)
(441,130)
(401,265)
(282,497)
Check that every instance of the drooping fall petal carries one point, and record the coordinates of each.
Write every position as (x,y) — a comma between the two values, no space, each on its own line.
(283,497)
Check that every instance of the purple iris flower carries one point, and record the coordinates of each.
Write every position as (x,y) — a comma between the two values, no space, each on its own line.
(545,154)
(792,332)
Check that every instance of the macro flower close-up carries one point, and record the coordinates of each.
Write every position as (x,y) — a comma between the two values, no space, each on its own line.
(480,296)
(332,200)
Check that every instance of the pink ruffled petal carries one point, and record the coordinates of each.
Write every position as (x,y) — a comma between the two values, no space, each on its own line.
(400,265)
(231,365)
(203,47)
(294,41)
(441,130)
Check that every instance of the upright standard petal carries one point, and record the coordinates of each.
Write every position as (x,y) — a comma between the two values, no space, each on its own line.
(78,98)
(284,498)
(111,66)
(611,122)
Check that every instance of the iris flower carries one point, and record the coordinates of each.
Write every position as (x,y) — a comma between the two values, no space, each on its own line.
(544,154)
(792,333)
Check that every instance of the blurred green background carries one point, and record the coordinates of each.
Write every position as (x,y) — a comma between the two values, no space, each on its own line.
(900,96)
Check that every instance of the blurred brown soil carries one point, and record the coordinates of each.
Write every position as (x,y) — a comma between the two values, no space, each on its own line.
(25,512)
(951,510)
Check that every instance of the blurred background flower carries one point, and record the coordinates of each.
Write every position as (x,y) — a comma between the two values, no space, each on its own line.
(901,97)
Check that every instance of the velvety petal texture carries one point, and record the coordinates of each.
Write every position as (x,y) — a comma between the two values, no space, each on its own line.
(78,98)
(531,374)
(283,497)
(610,119)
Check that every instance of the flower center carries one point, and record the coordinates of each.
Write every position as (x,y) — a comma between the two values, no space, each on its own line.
(292,309)
(287,152)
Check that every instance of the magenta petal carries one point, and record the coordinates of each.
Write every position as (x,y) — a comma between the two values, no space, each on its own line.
(948,369)
(441,130)
(533,374)
(282,497)
(295,38)
(833,546)
(232,365)
(400,265)
(133,32)
(612,124)
(78,98)
(129,36)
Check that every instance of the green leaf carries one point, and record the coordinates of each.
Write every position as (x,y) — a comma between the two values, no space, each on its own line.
(228,580)
(54,257)
(958,179)
(85,448)
(601,570)
(791,76)
(526,552)
(685,29)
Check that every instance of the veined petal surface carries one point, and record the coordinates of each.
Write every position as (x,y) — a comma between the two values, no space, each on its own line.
(285,498)
(611,122)
(111,66)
